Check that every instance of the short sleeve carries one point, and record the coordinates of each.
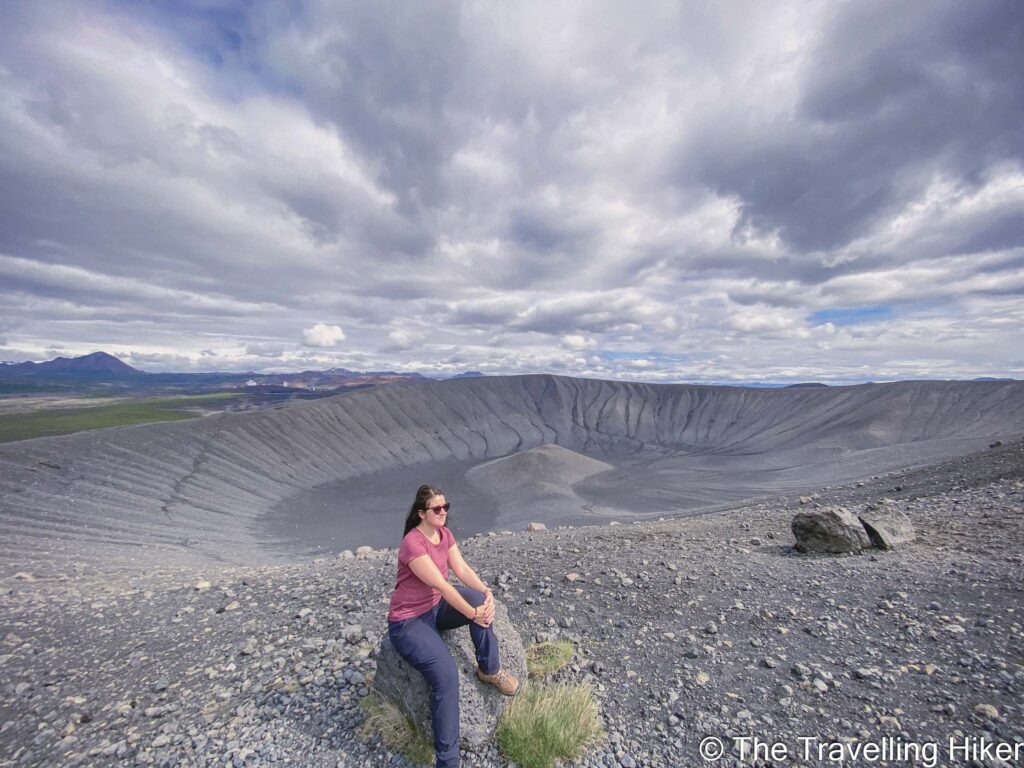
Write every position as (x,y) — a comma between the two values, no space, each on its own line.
(450,535)
(413,545)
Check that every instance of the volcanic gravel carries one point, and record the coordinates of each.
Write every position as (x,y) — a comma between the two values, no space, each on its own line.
(708,626)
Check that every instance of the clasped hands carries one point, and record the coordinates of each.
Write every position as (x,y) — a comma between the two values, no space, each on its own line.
(484,614)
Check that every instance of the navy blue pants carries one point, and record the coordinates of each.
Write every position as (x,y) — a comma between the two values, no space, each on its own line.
(418,641)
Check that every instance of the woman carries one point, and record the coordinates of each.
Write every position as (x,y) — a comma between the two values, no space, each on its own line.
(424,604)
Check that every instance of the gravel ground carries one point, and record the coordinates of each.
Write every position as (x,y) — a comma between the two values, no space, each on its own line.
(709,626)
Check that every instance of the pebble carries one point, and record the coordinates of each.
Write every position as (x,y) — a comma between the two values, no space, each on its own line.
(986,712)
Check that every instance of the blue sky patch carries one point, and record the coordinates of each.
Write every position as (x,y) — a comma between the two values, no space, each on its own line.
(661,356)
(851,315)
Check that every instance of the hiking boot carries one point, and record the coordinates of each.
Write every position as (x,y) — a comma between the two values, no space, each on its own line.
(502,680)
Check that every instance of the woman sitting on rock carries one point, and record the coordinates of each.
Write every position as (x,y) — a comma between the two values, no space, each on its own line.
(424,604)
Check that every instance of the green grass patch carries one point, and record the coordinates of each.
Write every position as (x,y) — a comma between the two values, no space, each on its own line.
(397,731)
(201,397)
(548,657)
(58,421)
(547,723)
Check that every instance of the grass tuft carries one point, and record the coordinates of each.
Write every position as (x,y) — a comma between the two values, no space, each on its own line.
(548,657)
(397,731)
(546,723)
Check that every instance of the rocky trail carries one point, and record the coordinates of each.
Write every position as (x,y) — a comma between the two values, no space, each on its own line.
(689,628)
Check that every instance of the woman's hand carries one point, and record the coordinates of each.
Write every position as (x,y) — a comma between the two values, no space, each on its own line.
(484,614)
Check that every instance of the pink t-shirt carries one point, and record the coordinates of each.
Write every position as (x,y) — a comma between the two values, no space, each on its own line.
(411,596)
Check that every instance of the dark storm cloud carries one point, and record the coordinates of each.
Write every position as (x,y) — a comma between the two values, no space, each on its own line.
(382,74)
(1002,233)
(894,93)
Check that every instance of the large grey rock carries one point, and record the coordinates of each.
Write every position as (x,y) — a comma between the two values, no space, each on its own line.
(832,529)
(480,704)
(886,527)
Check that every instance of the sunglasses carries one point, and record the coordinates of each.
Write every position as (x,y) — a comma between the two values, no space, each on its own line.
(438,509)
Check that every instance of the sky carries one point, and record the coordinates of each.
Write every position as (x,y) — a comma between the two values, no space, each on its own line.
(663,192)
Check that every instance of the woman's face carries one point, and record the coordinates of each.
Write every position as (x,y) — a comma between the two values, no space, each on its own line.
(435,514)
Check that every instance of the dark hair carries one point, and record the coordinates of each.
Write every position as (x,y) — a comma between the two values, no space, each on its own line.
(419,504)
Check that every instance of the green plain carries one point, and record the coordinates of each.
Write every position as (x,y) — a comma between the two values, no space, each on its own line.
(45,423)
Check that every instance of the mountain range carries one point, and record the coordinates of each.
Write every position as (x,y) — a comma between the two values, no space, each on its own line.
(104,369)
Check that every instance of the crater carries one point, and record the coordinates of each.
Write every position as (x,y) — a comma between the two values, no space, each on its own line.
(324,475)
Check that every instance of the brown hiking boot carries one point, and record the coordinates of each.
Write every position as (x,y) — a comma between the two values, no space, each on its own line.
(502,680)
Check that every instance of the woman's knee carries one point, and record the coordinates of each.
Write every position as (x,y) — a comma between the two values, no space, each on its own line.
(473,596)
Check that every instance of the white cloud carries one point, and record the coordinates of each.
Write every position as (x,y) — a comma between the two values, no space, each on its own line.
(321,335)
(761,319)
(266,349)
(405,338)
(578,342)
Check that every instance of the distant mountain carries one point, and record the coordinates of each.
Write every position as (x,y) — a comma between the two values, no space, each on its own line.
(806,384)
(347,372)
(98,364)
(102,368)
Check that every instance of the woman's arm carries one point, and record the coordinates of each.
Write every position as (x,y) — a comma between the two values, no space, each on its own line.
(427,572)
(463,572)
(468,576)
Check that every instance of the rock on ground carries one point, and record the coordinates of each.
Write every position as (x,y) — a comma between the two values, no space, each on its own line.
(833,529)
(480,704)
(887,528)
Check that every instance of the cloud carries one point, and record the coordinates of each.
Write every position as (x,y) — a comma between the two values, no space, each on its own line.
(761,319)
(321,335)
(267,349)
(513,188)
(578,342)
(881,108)
(163,361)
(404,338)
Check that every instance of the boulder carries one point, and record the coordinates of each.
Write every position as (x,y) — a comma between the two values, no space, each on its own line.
(831,529)
(886,528)
(480,704)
